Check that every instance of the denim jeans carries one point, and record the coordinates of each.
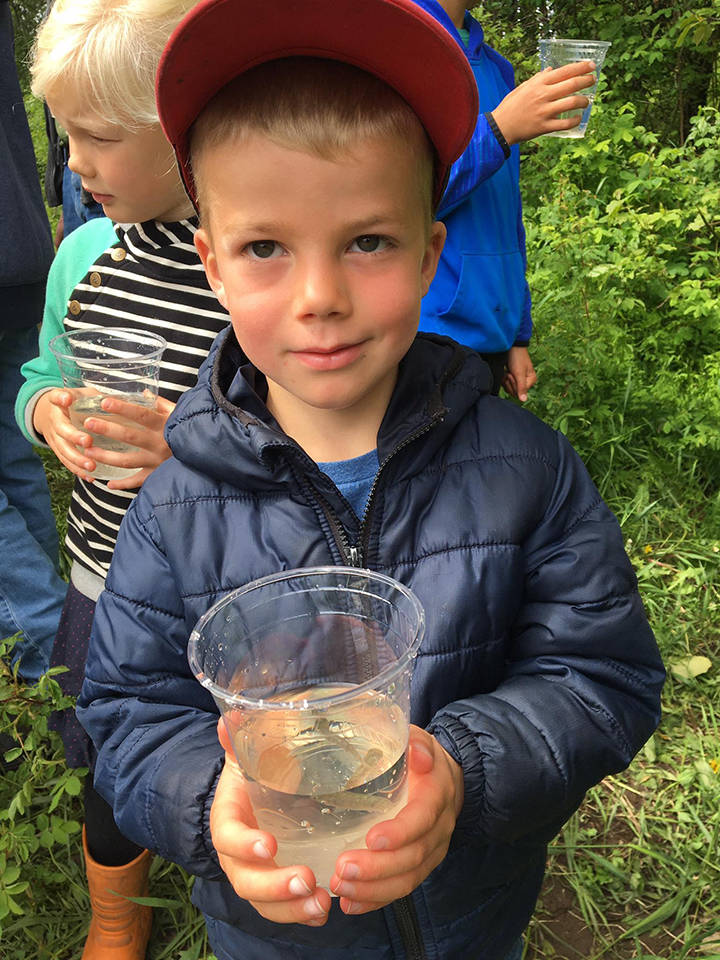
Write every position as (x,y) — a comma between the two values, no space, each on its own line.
(75,212)
(31,590)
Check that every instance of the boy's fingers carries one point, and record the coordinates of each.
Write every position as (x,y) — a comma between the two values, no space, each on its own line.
(224,738)
(570,103)
(293,903)
(402,872)
(568,70)
(570,88)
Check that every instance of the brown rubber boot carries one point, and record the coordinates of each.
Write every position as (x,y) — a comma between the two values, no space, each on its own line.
(119,928)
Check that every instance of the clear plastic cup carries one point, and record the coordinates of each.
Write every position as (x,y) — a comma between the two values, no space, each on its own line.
(311,672)
(108,361)
(557,53)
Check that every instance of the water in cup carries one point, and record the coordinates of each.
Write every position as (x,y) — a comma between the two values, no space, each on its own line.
(556,53)
(318,781)
(91,406)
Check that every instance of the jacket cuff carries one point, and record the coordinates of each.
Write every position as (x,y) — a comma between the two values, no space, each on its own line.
(30,432)
(498,134)
(461,744)
(521,343)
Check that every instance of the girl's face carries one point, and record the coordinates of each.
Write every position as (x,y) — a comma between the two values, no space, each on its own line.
(131,173)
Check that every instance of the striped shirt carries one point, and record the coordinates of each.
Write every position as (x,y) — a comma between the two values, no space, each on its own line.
(152,279)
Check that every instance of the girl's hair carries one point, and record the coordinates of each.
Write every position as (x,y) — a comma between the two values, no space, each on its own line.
(108,51)
(323,107)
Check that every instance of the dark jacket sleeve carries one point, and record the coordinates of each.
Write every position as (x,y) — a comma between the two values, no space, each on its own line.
(581,692)
(153,724)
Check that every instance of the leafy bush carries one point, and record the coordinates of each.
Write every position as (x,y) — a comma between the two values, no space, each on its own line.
(38,805)
(623,247)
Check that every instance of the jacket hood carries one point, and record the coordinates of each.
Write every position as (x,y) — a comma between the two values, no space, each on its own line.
(239,442)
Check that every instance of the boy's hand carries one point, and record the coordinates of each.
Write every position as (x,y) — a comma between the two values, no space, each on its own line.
(280,894)
(532,108)
(521,375)
(51,420)
(147,436)
(403,851)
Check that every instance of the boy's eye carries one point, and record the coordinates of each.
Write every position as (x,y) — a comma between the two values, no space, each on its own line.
(264,249)
(369,243)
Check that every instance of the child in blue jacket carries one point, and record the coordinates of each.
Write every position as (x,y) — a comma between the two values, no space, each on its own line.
(323,431)
(480,296)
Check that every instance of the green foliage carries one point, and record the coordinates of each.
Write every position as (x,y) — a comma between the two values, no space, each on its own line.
(37,805)
(27,15)
(627,341)
(663,59)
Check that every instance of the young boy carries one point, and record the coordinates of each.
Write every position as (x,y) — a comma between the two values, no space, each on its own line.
(323,431)
(480,296)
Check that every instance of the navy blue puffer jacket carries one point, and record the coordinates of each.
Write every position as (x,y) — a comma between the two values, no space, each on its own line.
(538,671)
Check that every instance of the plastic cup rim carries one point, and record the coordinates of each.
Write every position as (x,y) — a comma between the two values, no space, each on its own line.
(584,43)
(143,336)
(383,677)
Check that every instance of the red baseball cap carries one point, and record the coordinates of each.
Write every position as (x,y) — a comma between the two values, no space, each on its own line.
(395,40)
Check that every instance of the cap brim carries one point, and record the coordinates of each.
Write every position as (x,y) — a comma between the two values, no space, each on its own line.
(395,40)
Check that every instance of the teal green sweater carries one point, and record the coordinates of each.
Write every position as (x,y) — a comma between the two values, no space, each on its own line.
(76,254)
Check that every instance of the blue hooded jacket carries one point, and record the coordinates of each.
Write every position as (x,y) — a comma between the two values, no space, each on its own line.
(480,296)
(538,671)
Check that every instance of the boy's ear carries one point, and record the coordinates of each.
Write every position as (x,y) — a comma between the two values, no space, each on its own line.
(203,245)
(434,248)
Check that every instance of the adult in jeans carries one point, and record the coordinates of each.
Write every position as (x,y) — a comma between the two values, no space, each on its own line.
(31,590)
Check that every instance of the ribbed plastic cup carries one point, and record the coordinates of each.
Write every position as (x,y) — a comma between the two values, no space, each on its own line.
(98,362)
(557,53)
(311,672)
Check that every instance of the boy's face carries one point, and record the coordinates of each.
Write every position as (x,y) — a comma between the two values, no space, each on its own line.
(321,265)
(132,174)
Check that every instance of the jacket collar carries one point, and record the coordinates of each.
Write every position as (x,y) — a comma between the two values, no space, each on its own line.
(223,428)
(476,38)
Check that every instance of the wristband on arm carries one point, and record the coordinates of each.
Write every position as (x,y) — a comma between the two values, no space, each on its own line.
(498,134)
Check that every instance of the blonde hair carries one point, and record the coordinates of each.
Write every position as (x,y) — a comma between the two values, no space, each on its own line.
(108,50)
(323,107)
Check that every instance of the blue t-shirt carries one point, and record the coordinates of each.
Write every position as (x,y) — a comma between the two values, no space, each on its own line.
(354,478)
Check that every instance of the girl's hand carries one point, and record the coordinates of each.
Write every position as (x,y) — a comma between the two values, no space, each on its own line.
(403,851)
(51,420)
(280,894)
(142,427)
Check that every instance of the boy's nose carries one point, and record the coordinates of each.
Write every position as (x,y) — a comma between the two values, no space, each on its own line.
(321,290)
(77,160)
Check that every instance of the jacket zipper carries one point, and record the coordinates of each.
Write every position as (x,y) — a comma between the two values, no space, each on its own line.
(354,554)
(407,921)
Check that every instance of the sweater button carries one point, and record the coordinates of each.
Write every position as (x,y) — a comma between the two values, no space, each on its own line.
(118,253)
(74,307)
(95,279)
